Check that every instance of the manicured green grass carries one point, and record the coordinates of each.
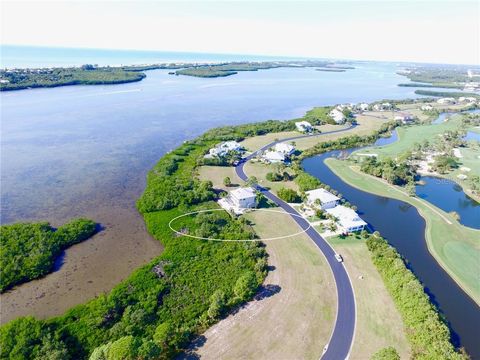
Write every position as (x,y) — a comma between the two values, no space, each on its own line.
(454,246)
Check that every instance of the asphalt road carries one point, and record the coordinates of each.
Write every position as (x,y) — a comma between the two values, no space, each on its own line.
(343,332)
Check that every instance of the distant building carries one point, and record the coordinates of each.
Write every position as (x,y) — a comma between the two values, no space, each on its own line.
(383,106)
(224,148)
(363,107)
(337,116)
(284,148)
(322,199)
(304,126)
(426,107)
(239,200)
(404,118)
(447,100)
(348,219)
(274,157)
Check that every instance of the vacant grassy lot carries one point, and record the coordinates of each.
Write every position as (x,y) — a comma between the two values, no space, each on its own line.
(367,123)
(379,324)
(454,246)
(295,318)
(216,174)
(260,170)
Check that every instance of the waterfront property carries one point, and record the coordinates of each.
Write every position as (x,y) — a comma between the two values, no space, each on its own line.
(239,200)
(446,100)
(304,126)
(348,219)
(337,116)
(383,106)
(284,148)
(223,149)
(404,118)
(322,199)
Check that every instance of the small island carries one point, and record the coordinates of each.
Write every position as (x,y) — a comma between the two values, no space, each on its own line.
(18,79)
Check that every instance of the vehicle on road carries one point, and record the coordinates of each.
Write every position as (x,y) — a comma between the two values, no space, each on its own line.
(339,258)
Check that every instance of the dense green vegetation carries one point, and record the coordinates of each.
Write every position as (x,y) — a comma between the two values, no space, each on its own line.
(163,305)
(86,75)
(437,85)
(440,75)
(28,250)
(428,335)
(395,172)
(444,163)
(289,195)
(446,93)
(319,116)
(205,72)
(389,353)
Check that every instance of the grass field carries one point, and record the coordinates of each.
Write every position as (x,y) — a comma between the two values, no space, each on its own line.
(294,320)
(260,170)
(379,323)
(455,247)
(367,123)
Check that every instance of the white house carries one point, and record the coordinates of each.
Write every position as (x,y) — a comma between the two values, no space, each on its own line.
(274,156)
(426,107)
(447,100)
(348,219)
(404,118)
(285,149)
(327,199)
(224,148)
(303,126)
(337,116)
(363,106)
(239,200)
(383,106)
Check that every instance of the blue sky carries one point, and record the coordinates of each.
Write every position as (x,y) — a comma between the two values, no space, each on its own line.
(427,31)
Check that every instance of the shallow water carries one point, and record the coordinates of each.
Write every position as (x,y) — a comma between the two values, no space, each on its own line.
(85,151)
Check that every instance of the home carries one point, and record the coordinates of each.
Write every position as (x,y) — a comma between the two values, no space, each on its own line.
(239,200)
(363,107)
(426,107)
(304,126)
(404,118)
(223,149)
(337,116)
(382,107)
(321,198)
(348,219)
(274,157)
(285,149)
(447,100)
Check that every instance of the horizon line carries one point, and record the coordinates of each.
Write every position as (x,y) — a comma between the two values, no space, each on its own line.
(292,57)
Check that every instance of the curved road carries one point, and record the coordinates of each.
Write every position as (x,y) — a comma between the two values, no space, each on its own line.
(343,332)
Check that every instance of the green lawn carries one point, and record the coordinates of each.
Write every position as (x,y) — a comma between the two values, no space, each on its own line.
(454,246)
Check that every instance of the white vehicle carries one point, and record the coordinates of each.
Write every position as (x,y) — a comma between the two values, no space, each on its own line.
(339,258)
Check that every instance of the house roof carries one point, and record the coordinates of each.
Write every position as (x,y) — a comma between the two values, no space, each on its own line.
(323,195)
(347,217)
(303,124)
(274,155)
(243,193)
(284,148)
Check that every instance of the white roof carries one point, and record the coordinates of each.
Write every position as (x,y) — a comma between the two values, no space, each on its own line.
(323,195)
(303,124)
(230,145)
(347,217)
(284,148)
(243,193)
(336,115)
(274,155)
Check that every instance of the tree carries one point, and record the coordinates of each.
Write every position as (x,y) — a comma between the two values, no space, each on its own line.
(162,334)
(389,353)
(217,304)
(227,182)
(289,195)
(252,180)
(245,286)
(332,227)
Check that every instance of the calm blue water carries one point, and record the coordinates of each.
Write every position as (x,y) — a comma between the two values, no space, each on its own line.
(67,149)
(471,135)
(404,228)
(449,196)
(31,56)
